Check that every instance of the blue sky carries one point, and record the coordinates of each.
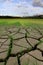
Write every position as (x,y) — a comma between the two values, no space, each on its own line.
(21,7)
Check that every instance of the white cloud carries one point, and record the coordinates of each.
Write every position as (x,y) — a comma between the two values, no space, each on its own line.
(19,9)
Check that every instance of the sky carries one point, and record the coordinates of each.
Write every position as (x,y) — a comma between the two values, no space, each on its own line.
(21,7)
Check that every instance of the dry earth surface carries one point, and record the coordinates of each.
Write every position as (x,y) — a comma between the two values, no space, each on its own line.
(21,45)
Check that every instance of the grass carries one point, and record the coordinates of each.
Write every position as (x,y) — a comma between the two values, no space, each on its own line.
(19,22)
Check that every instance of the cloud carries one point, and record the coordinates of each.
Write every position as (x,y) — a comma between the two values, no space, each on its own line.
(38,3)
(19,9)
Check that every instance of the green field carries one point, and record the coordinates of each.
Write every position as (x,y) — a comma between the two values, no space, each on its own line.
(21,22)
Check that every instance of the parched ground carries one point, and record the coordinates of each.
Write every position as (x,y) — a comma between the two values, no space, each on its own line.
(21,45)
